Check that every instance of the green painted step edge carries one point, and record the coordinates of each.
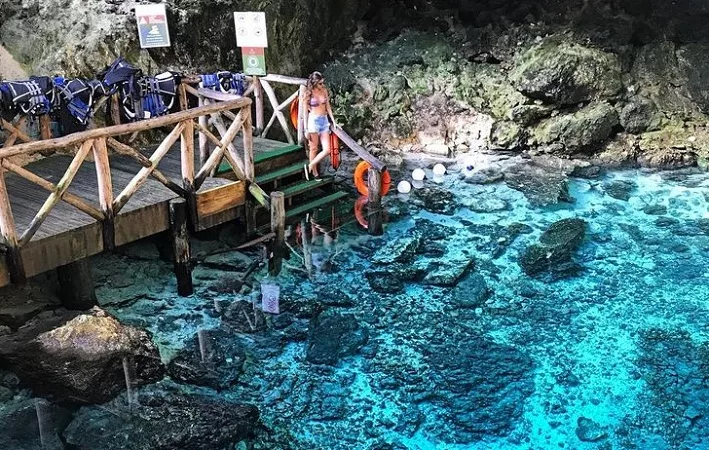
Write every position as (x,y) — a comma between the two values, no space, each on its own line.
(281,173)
(300,209)
(271,154)
(305,186)
(263,156)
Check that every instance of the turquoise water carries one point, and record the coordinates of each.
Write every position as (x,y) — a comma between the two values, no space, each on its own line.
(608,352)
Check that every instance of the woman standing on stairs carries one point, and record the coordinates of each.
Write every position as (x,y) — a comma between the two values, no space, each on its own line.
(317,112)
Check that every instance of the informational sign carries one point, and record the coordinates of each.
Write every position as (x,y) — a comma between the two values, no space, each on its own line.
(254,61)
(251,29)
(270,297)
(152,26)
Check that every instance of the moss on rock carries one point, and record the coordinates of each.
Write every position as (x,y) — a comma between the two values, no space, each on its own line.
(581,130)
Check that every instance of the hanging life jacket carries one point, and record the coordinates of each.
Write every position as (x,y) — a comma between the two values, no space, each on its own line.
(224,81)
(122,77)
(33,97)
(157,95)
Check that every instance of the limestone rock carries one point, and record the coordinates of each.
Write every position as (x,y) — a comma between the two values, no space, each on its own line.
(447,271)
(556,247)
(81,357)
(471,292)
(639,116)
(541,186)
(589,431)
(333,336)
(507,136)
(566,73)
(584,129)
(619,189)
(163,417)
(399,250)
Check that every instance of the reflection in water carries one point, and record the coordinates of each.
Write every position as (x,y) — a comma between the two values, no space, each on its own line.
(128,373)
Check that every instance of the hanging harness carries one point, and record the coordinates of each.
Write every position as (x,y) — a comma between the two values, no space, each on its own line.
(223,81)
(33,97)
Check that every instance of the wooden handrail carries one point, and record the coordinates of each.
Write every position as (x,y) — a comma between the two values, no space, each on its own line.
(118,130)
(359,150)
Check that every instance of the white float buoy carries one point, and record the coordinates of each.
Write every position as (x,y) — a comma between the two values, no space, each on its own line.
(418,174)
(417,184)
(404,187)
(439,170)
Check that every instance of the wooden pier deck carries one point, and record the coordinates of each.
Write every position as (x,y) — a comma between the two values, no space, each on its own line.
(69,235)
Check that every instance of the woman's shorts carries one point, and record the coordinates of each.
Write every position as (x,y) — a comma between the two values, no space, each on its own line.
(318,124)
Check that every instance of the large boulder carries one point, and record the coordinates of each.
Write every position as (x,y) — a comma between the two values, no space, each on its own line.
(333,336)
(584,129)
(163,417)
(555,248)
(560,72)
(81,357)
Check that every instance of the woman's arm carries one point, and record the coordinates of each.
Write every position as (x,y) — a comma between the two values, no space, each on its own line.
(329,112)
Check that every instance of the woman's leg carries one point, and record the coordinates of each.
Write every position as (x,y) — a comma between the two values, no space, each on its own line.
(315,160)
(313,148)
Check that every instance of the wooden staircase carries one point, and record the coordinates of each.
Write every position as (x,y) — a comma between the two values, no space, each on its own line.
(281,169)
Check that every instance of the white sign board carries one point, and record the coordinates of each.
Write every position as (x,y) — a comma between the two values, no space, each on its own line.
(152,26)
(251,29)
(270,296)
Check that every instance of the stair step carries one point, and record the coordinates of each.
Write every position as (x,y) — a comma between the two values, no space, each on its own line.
(305,186)
(276,153)
(317,203)
(281,173)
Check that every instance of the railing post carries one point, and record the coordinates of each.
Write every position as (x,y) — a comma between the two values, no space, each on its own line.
(9,234)
(105,192)
(248,145)
(278,227)
(45,129)
(187,161)
(203,123)
(258,99)
(184,106)
(301,115)
(374,182)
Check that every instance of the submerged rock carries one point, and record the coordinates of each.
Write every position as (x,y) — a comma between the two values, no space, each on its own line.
(163,417)
(400,250)
(470,370)
(19,422)
(619,189)
(555,249)
(213,359)
(541,186)
(81,357)
(447,271)
(333,336)
(589,431)
(437,200)
(471,292)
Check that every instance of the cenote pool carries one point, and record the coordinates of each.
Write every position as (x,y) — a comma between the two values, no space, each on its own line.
(478,321)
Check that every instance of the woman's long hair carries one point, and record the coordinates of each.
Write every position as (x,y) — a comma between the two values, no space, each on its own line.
(313,81)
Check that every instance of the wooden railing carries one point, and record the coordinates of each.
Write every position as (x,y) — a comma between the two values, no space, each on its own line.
(236,112)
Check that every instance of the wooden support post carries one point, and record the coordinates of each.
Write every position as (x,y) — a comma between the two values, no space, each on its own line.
(248,145)
(375,212)
(278,227)
(184,105)
(187,158)
(181,246)
(115,109)
(77,285)
(301,116)
(7,228)
(45,126)
(258,96)
(203,123)
(105,192)
(250,210)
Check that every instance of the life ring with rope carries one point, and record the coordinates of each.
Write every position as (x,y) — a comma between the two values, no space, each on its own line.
(359,211)
(360,179)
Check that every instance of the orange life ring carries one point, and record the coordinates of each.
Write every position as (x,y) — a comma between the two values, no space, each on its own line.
(334,151)
(294,113)
(359,211)
(361,182)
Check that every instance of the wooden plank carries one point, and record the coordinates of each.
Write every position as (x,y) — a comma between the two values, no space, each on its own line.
(277,112)
(358,149)
(322,201)
(221,198)
(142,222)
(118,130)
(285,79)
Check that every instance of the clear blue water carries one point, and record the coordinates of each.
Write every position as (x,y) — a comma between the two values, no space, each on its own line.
(623,342)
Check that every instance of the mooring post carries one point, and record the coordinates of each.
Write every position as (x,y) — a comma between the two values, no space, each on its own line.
(9,234)
(76,286)
(278,227)
(181,246)
(374,205)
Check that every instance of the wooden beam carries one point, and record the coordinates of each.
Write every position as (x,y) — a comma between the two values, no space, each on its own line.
(216,156)
(203,124)
(45,129)
(105,193)
(68,197)
(258,99)
(221,128)
(181,246)
(301,116)
(248,133)
(145,162)
(221,198)
(260,195)
(182,92)
(15,131)
(56,196)
(358,149)
(115,109)
(284,79)
(7,229)
(144,173)
(374,205)
(118,130)
(279,114)
(187,168)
